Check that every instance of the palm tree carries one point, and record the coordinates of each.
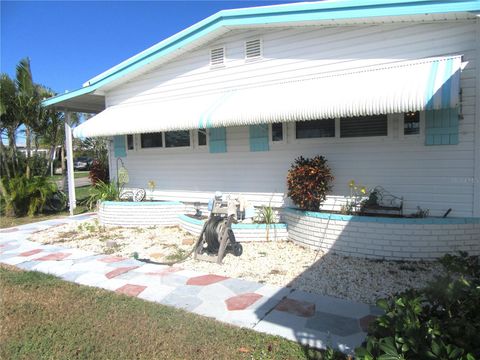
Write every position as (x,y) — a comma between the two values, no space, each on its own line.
(28,101)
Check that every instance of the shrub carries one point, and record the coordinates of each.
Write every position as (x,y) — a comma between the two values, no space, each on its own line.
(98,172)
(102,191)
(439,322)
(28,196)
(308,182)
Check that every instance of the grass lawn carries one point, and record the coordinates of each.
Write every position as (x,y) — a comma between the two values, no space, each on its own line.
(76,175)
(5,222)
(43,317)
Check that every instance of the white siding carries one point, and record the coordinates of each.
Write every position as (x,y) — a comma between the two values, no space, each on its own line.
(434,177)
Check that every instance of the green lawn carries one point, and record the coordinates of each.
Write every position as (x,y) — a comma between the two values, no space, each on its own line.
(5,222)
(43,317)
(76,175)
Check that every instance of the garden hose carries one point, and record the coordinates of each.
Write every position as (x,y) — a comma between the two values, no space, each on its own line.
(170,263)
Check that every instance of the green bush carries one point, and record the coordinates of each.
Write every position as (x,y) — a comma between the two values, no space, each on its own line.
(439,322)
(309,181)
(103,191)
(28,196)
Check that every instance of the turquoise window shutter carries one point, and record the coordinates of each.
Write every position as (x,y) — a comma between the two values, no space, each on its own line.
(119,148)
(259,137)
(441,127)
(217,142)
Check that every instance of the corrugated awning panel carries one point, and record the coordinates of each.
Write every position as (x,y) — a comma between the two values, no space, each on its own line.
(424,84)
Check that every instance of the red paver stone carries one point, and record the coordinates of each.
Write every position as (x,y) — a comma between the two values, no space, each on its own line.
(366,321)
(119,271)
(31,252)
(242,301)
(54,257)
(130,289)
(165,272)
(112,259)
(205,280)
(296,307)
(9,230)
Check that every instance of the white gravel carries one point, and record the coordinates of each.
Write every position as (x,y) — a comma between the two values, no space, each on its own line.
(277,263)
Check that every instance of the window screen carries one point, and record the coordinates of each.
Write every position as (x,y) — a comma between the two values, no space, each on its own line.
(130,142)
(411,123)
(315,129)
(358,126)
(177,138)
(277,132)
(202,137)
(151,140)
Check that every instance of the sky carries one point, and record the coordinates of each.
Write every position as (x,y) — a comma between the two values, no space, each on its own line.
(69,42)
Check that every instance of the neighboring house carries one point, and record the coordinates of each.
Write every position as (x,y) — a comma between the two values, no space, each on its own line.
(386,91)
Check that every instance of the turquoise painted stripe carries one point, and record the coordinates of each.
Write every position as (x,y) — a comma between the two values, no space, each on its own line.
(219,103)
(193,221)
(204,117)
(270,15)
(447,84)
(386,220)
(429,97)
(141,203)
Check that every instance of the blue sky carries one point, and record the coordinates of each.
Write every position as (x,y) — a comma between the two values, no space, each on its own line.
(68,42)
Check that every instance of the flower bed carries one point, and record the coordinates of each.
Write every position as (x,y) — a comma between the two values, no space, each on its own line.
(243,232)
(383,237)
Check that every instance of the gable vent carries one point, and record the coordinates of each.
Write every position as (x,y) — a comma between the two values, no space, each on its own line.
(253,49)
(217,57)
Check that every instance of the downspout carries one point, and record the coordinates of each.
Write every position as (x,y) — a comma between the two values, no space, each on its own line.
(72,203)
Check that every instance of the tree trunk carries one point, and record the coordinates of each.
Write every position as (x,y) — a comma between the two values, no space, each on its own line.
(28,142)
(13,151)
(3,156)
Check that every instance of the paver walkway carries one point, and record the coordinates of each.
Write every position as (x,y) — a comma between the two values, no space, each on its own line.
(316,320)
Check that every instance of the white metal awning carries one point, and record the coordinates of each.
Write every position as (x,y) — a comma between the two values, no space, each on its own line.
(424,84)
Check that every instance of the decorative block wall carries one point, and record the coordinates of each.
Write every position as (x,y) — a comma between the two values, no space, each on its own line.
(145,213)
(243,232)
(381,237)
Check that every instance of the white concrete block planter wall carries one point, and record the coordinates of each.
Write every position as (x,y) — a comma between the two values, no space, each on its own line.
(145,213)
(243,232)
(382,237)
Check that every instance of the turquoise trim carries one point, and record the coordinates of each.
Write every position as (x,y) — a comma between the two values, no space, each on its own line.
(193,221)
(447,84)
(259,137)
(385,220)
(441,127)
(431,84)
(119,147)
(289,13)
(141,203)
(219,103)
(217,140)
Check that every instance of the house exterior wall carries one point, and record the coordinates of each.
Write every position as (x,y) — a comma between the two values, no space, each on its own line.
(432,177)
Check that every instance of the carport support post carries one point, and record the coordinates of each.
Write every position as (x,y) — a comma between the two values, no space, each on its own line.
(72,203)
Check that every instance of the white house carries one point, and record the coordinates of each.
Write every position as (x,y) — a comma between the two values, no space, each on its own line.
(387,91)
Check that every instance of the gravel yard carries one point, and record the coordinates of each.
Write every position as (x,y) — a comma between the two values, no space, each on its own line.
(277,263)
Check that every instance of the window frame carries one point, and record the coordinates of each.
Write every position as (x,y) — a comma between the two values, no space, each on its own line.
(133,142)
(197,142)
(270,134)
(421,133)
(315,138)
(163,148)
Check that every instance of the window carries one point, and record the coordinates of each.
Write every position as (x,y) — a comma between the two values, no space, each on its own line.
(315,129)
(277,132)
(151,140)
(202,137)
(217,57)
(177,138)
(411,123)
(253,49)
(130,142)
(358,126)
